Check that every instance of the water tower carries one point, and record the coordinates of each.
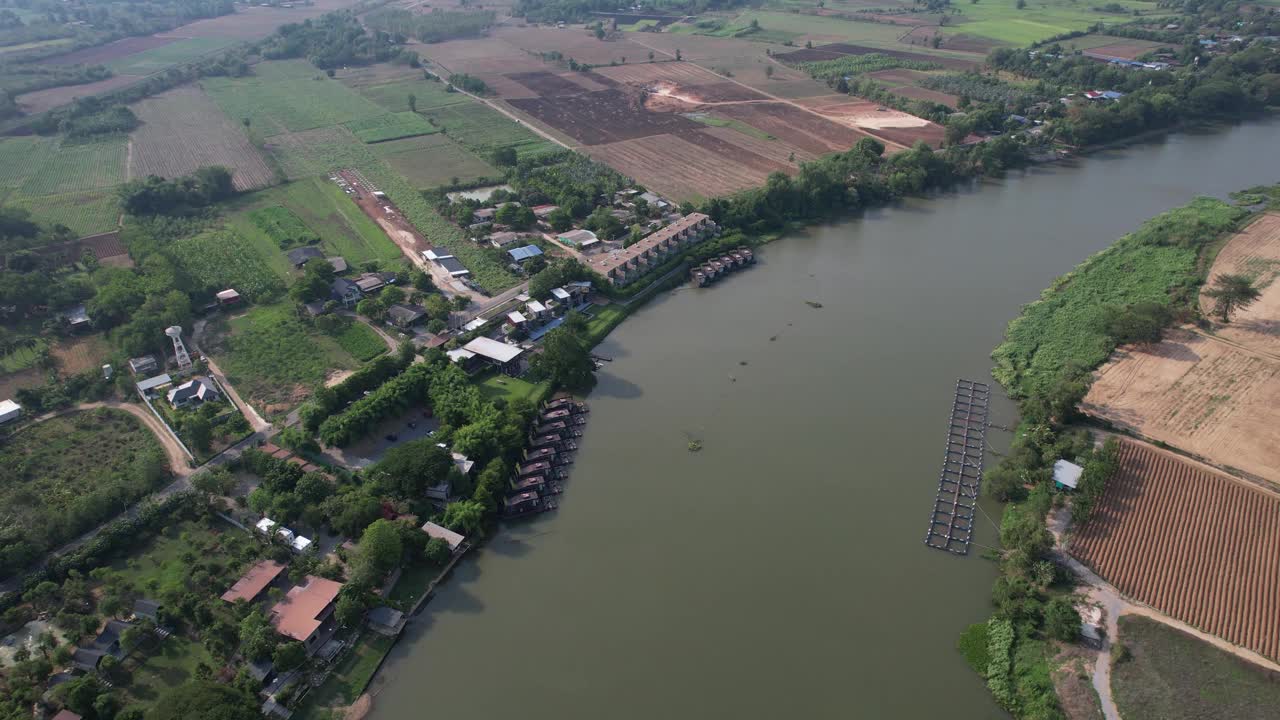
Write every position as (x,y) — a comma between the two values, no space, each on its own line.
(179,350)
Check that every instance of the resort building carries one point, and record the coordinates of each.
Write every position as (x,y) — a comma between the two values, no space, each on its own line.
(622,267)
(306,613)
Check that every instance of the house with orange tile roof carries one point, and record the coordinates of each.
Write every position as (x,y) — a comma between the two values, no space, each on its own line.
(306,613)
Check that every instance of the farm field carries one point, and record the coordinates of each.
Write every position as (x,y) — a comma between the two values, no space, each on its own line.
(183,130)
(272,358)
(41,100)
(1254,251)
(1111,46)
(393,96)
(81,464)
(482,130)
(341,226)
(288,96)
(1006,24)
(85,213)
(433,160)
(253,22)
(1171,675)
(392,126)
(64,182)
(1191,542)
(112,51)
(162,57)
(1199,394)
(896,129)
(223,258)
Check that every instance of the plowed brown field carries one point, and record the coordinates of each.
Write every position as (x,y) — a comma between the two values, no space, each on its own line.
(682,169)
(1254,251)
(1191,542)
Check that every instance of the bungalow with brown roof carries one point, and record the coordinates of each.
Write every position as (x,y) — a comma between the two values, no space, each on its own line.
(251,586)
(66,715)
(453,539)
(622,267)
(306,613)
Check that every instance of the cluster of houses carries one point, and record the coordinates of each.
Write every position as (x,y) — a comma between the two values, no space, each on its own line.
(1091,96)
(534,318)
(347,292)
(109,642)
(547,456)
(296,542)
(717,267)
(624,266)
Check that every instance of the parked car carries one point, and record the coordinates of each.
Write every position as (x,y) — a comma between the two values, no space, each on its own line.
(392,437)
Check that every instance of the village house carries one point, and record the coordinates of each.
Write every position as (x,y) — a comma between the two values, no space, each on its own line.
(143,365)
(622,267)
(255,582)
(77,318)
(195,391)
(227,297)
(301,255)
(446,261)
(345,292)
(147,609)
(522,254)
(9,411)
(503,356)
(542,212)
(405,316)
(386,621)
(583,240)
(338,263)
(504,238)
(1066,475)
(373,282)
(452,539)
(306,613)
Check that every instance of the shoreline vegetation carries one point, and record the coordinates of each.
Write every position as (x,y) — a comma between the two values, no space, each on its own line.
(1129,292)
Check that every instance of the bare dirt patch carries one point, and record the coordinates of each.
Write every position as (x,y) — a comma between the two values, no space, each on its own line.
(1254,251)
(678,168)
(41,100)
(1072,678)
(893,78)
(681,73)
(1191,542)
(794,126)
(1126,50)
(183,130)
(919,93)
(80,354)
(1197,393)
(601,117)
(576,43)
(544,83)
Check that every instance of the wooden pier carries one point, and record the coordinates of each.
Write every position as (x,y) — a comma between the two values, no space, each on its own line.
(951,526)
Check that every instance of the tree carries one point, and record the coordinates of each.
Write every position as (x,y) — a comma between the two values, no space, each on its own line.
(372,308)
(505,157)
(678,54)
(413,103)
(199,431)
(1231,292)
(565,360)
(205,700)
(560,219)
(768,71)
(1021,4)
(257,637)
(518,217)
(437,551)
(1138,323)
(464,516)
(650,56)
(1061,620)
(349,610)
(289,655)
(392,295)
(378,553)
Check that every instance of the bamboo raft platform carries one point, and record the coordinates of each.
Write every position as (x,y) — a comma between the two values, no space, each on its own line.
(951,526)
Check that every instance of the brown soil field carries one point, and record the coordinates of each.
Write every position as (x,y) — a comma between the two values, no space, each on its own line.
(546,84)
(736,152)
(255,23)
(103,54)
(680,73)
(106,248)
(1204,395)
(1129,50)
(1254,251)
(836,50)
(41,100)
(795,126)
(601,117)
(1191,542)
(183,130)
(777,151)
(919,93)
(574,43)
(893,78)
(80,354)
(950,41)
(677,168)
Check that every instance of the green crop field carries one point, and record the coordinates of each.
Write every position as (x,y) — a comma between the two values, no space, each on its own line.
(360,341)
(394,96)
(392,126)
(85,213)
(482,130)
(223,258)
(272,357)
(342,227)
(433,160)
(288,96)
(282,226)
(166,56)
(1002,21)
(732,124)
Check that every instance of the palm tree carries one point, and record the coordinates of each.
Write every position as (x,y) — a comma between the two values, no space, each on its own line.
(1232,292)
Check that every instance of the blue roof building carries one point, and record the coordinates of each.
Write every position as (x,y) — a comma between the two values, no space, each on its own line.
(521,254)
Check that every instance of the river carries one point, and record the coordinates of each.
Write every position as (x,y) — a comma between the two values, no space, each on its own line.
(781,571)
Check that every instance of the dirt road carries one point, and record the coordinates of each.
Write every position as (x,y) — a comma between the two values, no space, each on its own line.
(256,421)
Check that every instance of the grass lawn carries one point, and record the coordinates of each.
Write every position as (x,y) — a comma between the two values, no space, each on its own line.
(166,56)
(730,123)
(22,358)
(495,385)
(342,227)
(348,680)
(158,566)
(603,321)
(1175,676)
(361,341)
(272,358)
(413,583)
(288,96)
(1040,19)
(164,665)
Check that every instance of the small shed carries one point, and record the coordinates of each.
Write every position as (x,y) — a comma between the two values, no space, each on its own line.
(143,365)
(338,263)
(300,256)
(560,294)
(386,621)
(453,539)
(145,386)
(9,411)
(145,608)
(405,315)
(300,544)
(264,525)
(228,297)
(1066,475)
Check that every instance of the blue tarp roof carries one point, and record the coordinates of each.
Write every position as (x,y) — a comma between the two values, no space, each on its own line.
(524,253)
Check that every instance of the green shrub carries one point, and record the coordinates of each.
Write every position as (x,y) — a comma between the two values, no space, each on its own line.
(973,646)
(283,227)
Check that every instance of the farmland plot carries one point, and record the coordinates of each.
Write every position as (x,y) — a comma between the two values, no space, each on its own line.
(66,167)
(433,160)
(392,126)
(220,259)
(85,213)
(677,168)
(1194,543)
(1255,252)
(167,55)
(183,130)
(394,96)
(282,226)
(288,96)
(328,215)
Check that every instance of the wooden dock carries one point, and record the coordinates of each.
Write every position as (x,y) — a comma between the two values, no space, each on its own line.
(951,526)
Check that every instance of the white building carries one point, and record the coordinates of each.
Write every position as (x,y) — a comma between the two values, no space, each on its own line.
(9,411)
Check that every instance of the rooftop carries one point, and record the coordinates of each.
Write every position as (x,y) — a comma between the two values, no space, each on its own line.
(453,266)
(439,531)
(1067,474)
(297,616)
(494,350)
(300,256)
(154,382)
(605,262)
(577,237)
(524,253)
(254,582)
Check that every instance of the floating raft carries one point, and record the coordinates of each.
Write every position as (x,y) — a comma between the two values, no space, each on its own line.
(951,527)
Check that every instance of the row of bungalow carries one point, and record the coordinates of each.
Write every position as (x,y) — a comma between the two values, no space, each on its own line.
(716,268)
(623,267)
(547,457)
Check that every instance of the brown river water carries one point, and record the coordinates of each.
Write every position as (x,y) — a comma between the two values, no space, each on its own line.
(781,571)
